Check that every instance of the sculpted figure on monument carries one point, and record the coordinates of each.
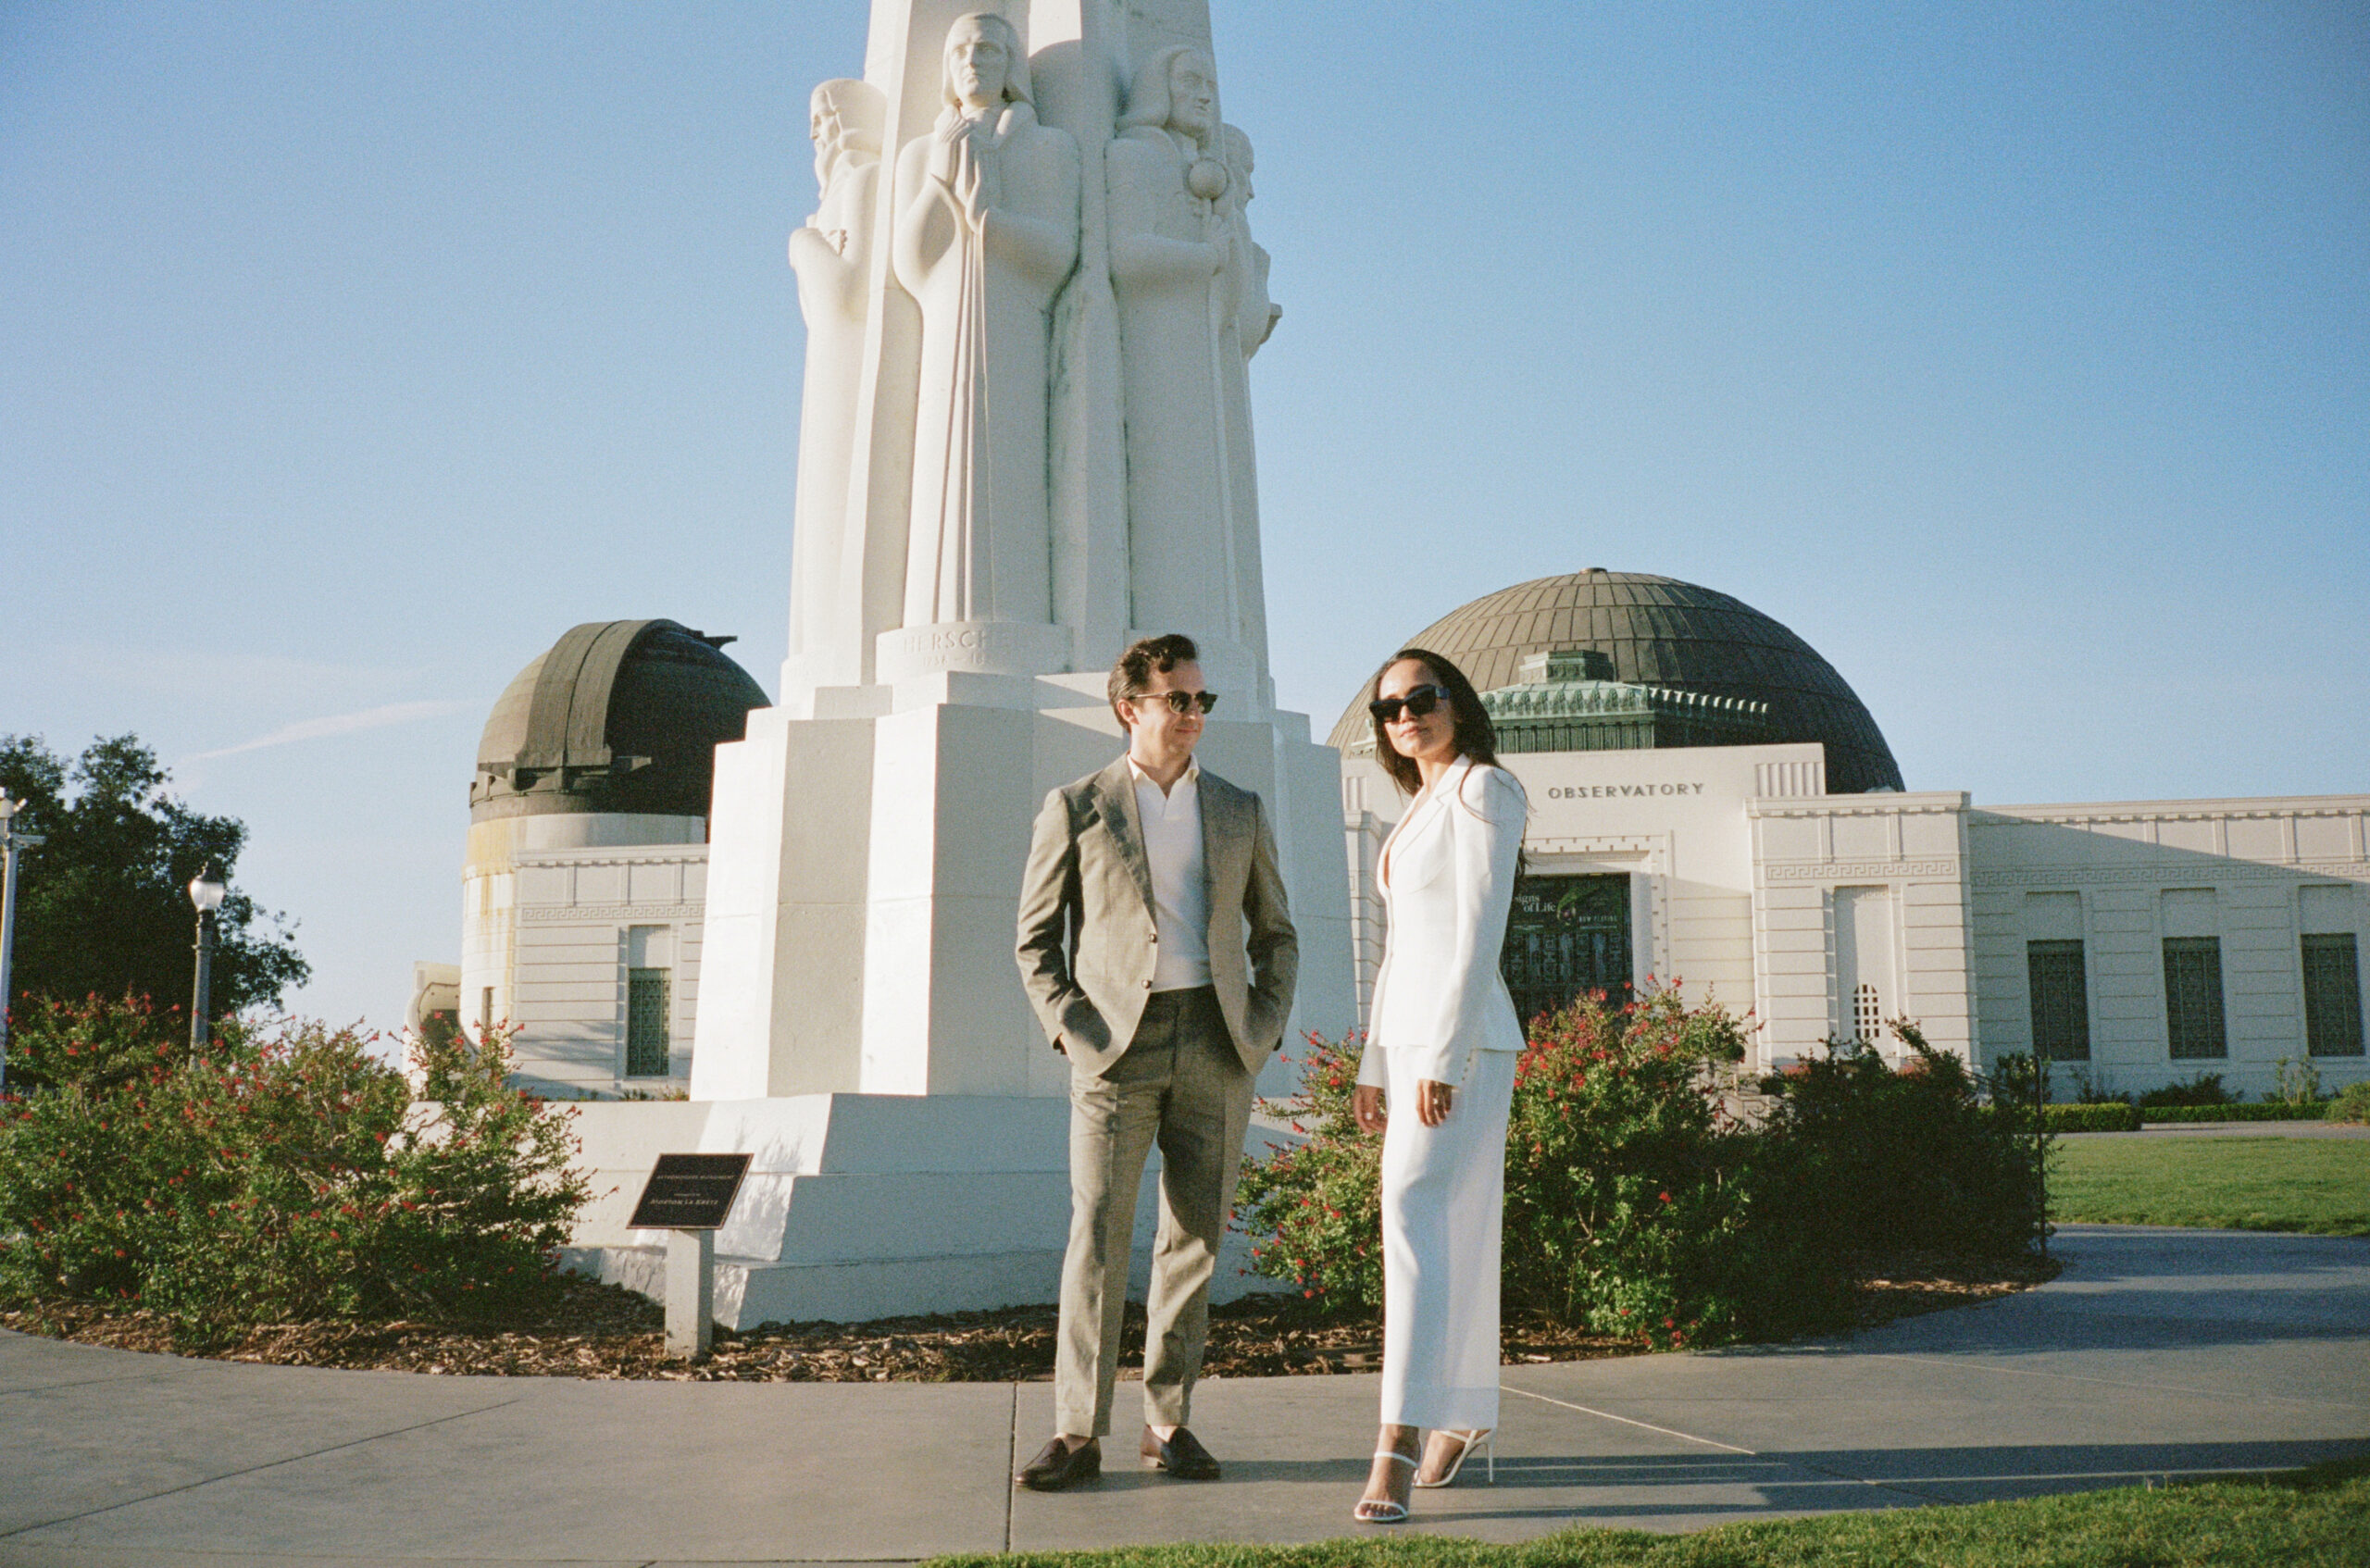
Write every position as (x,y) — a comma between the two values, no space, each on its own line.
(986,231)
(832,258)
(1254,314)
(1177,270)
(1251,317)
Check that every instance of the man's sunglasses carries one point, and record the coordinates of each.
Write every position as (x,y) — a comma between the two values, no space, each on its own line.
(1181,702)
(1418,701)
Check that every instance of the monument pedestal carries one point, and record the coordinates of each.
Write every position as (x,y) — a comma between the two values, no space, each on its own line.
(862,1029)
(865,877)
(861,1206)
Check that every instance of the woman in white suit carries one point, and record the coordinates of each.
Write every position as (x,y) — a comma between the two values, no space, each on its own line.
(1438,1075)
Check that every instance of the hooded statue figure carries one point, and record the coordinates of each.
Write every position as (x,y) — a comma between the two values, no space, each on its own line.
(832,254)
(1181,269)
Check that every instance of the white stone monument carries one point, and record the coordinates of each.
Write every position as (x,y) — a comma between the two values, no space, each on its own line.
(1030,294)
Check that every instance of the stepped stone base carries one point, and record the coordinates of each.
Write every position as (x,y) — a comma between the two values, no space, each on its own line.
(860,1206)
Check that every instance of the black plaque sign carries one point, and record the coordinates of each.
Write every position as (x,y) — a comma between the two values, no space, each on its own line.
(689,1192)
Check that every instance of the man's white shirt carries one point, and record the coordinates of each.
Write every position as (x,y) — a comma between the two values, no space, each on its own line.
(1180,897)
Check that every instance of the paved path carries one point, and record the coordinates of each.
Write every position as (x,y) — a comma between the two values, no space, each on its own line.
(2233,1129)
(2158,1353)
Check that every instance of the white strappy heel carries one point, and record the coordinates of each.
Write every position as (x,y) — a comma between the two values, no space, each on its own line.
(1386,1512)
(1468,1442)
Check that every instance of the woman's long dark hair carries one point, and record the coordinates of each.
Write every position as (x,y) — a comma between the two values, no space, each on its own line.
(1475,739)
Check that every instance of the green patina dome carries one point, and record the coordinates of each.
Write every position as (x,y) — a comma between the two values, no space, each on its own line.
(1672,635)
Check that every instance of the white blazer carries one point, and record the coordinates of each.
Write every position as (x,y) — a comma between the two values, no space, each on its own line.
(1448,882)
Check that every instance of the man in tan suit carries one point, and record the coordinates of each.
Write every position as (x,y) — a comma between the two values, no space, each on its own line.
(1157,949)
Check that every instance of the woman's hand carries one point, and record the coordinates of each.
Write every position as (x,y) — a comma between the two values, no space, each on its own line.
(1434,1102)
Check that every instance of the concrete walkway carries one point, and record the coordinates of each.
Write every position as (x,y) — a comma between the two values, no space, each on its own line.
(2157,1353)
(2233,1129)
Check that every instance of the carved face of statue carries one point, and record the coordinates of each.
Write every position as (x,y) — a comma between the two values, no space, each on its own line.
(1240,163)
(978,66)
(823,125)
(1194,95)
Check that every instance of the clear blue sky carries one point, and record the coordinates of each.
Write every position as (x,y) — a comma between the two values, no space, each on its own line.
(2015,355)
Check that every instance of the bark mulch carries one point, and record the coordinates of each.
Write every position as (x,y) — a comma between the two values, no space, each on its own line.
(603,1331)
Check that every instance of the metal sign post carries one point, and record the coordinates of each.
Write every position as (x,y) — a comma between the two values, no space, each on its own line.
(11,843)
(689,1196)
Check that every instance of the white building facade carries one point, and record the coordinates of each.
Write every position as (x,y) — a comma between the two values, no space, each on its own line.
(2132,944)
(2137,944)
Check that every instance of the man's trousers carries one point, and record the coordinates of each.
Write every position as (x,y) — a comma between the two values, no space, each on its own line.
(1180,1085)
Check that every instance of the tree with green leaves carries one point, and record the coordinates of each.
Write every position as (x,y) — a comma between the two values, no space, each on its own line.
(102,904)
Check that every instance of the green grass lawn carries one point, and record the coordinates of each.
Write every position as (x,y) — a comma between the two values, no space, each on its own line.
(2318,1186)
(2318,1517)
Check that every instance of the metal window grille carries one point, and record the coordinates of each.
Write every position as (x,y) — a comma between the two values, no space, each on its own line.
(2193,997)
(2332,995)
(649,996)
(1868,1013)
(2060,999)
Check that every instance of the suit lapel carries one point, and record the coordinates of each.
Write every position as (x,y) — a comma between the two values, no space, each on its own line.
(1224,834)
(1453,780)
(1116,785)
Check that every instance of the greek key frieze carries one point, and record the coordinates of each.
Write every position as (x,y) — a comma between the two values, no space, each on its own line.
(2183,870)
(591,913)
(1821,871)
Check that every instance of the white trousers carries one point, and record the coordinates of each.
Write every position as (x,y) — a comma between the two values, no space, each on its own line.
(1443,1199)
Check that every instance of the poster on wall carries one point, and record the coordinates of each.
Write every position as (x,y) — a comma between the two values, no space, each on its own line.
(1565,936)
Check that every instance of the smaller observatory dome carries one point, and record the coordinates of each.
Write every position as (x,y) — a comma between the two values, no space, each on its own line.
(617,716)
(1661,633)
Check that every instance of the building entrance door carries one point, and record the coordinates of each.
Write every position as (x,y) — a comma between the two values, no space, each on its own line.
(1565,936)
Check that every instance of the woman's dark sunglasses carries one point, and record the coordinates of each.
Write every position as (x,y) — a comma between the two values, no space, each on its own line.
(1181,702)
(1418,701)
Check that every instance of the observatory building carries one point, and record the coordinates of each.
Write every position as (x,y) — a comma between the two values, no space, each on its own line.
(1711,804)
(586,873)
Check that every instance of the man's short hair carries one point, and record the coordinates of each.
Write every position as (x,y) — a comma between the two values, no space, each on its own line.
(1131,677)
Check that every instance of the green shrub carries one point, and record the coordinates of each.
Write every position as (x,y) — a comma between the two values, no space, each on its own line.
(2113,1116)
(1318,1207)
(2203,1089)
(1633,1205)
(1629,1202)
(1636,1206)
(2351,1104)
(284,1175)
(2298,1082)
(2270,1111)
(2084,1084)
(1878,1160)
(94,1044)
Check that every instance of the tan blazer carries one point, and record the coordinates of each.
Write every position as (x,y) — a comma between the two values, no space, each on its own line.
(1087,936)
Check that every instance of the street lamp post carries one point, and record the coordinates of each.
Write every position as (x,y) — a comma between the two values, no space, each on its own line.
(206,892)
(10,842)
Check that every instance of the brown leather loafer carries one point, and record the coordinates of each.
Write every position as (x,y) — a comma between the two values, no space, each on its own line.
(1182,1456)
(1058,1465)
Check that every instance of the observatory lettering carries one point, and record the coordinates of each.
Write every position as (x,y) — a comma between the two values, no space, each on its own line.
(1599,791)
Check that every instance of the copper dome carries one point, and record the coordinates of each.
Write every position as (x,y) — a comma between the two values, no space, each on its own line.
(1660,631)
(615,716)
